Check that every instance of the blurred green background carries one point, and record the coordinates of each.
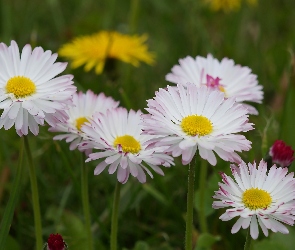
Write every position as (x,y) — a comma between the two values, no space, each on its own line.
(261,37)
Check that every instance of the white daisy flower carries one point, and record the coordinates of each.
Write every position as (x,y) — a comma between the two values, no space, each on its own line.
(234,80)
(118,136)
(85,106)
(255,195)
(29,91)
(190,118)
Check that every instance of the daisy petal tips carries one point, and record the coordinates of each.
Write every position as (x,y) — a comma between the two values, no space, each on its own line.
(30,92)
(123,147)
(86,105)
(187,119)
(234,80)
(255,195)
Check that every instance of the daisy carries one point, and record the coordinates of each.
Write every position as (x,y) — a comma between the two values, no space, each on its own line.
(234,80)
(189,118)
(94,50)
(118,136)
(86,105)
(255,195)
(30,92)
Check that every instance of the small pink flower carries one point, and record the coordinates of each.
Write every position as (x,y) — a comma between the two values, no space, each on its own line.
(281,153)
(56,242)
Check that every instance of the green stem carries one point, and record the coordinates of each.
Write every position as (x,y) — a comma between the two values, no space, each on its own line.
(289,100)
(190,206)
(248,241)
(110,14)
(35,197)
(14,195)
(133,16)
(6,20)
(115,211)
(126,83)
(202,189)
(85,201)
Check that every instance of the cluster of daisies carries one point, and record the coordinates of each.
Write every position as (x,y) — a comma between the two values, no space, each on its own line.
(203,113)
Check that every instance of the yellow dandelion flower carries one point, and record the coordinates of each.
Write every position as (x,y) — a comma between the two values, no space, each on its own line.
(94,50)
(252,2)
(227,5)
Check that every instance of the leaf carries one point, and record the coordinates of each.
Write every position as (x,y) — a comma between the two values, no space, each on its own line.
(155,193)
(286,240)
(277,241)
(212,185)
(74,232)
(206,240)
(141,245)
(11,243)
(268,244)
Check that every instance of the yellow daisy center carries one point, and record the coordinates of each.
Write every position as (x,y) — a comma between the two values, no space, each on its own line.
(128,143)
(20,86)
(196,125)
(255,198)
(80,121)
(221,88)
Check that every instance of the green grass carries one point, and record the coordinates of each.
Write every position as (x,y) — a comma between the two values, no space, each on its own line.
(151,215)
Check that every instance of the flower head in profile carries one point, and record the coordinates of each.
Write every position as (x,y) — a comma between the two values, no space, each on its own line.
(234,80)
(30,92)
(187,119)
(227,5)
(85,106)
(94,50)
(281,153)
(257,198)
(118,136)
(56,242)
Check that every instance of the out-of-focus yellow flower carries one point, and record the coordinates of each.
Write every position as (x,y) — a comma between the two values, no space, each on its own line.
(94,50)
(228,5)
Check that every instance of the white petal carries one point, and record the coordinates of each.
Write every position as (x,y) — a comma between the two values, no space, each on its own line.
(263,227)
(254,232)
(100,167)
(123,175)
(237,226)
(113,166)
(124,162)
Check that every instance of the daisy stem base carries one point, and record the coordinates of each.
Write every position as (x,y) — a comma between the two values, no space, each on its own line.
(85,201)
(202,189)
(114,229)
(248,241)
(190,206)
(35,196)
(13,198)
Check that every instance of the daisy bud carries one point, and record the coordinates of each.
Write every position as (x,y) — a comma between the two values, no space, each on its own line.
(281,153)
(56,242)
